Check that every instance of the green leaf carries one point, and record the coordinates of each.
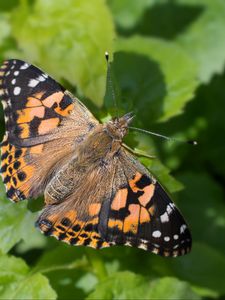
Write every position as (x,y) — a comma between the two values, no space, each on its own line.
(162,173)
(5,27)
(5,31)
(8,5)
(210,101)
(128,12)
(204,39)
(157,76)
(66,268)
(205,199)
(203,121)
(17,282)
(16,222)
(36,240)
(199,266)
(127,285)
(69,41)
(196,25)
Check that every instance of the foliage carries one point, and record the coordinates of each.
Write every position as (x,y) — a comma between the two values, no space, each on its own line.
(168,67)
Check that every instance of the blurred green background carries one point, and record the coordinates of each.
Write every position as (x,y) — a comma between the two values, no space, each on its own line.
(168,67)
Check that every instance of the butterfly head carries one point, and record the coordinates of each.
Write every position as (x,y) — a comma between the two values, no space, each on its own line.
(118,127)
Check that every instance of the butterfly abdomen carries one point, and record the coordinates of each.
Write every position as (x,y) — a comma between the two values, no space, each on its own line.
(61,185)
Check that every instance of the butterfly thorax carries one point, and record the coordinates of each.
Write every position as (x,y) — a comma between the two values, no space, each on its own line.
(104,141)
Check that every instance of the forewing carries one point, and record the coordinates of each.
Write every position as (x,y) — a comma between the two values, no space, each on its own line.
(43,124)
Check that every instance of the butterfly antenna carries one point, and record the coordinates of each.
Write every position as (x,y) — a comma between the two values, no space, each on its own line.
(163,136)
(109,81)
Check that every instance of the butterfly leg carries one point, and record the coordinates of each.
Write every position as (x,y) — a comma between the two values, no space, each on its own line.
(138,152)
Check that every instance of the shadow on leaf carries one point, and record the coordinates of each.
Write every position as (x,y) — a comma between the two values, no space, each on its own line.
(139,85)
(165,20)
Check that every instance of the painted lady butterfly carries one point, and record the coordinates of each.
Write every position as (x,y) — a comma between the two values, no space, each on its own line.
(96,192)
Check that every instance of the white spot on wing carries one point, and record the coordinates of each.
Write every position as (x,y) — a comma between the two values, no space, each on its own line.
(13,81)
(164,218)
(24,66)
(175,254)
(142,246)
(16,73)
(17,90)
(182,228)
(127,243)
(4,104)
(33,83)
(172,205)
(7,73)
(176,236)
(41,78)
(169,209)
(166,238)
(155,250)
(156,234)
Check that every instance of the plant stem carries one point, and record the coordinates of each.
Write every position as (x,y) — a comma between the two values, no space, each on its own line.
(77,264)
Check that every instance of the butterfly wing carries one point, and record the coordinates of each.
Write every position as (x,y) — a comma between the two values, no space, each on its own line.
(43,121)
(119,203)
(141,214)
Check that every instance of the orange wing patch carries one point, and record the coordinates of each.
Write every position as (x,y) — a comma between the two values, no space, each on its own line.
(94,209)
(147,196)
(27,115)
(141,183)
(52,99)
(131,222)
(48,125)
(48,111)
(67,227)
(133,181)
(120,199)
(131,205)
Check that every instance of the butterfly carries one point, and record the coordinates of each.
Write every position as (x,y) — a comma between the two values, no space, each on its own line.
(96,192)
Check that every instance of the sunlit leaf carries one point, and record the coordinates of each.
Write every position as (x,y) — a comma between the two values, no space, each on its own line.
(204,39)
(200,265)
(16,222)
(18,282)
(127,13)
(69,42)
(127,285)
